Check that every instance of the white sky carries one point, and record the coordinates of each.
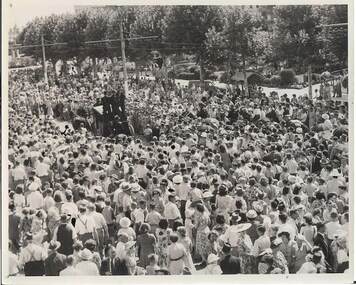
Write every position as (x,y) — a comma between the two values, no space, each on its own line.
(23,11)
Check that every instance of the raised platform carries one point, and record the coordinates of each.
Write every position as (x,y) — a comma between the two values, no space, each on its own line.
(344,98)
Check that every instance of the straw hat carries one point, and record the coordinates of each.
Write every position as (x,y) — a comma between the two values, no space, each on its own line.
(125,222)
(325,116)
(334,173)
(85,254)
(266,251)
(130,244)
(207,194)
(177,179)
(212,258)
(251,214)
(125,186)
(277,241)
(240,227)
(340,234)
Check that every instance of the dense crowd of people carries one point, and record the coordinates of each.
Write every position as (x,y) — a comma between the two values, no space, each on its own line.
(217,183)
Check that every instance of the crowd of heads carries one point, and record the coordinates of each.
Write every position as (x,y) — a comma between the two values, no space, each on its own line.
(218,182)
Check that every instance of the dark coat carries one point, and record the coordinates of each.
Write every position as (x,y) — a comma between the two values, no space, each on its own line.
(108,265)
(54,264)
(320,241)
(65,237)
(230,265)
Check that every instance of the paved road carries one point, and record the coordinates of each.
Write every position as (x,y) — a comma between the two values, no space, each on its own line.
(290,92)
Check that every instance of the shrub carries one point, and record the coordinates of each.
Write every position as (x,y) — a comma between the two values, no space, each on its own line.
(225,78)
(275,80)
(187,76)
(345,82)
(315,77)
(287,77)
(267,81)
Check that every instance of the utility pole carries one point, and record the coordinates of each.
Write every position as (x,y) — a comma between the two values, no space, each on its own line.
(201,71)
(44,61)
(245,40)
(123,59)
(245,75)
(310,82)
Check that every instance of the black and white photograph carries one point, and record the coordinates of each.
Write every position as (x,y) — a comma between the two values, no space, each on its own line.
(177,140)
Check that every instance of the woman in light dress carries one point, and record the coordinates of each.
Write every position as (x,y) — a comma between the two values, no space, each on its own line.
(188,245)
(176,256)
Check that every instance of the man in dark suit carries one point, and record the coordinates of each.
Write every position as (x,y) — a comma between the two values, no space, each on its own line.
(65,233)
(229,264)
(108,264)
(14,226)
(55,262)
(320,239)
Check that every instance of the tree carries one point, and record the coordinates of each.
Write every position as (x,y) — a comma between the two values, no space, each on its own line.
(237,43)
(334,39)
(296,36)
(187,27)
(31,35)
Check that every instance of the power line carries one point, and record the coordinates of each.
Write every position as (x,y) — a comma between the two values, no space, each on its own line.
(117,40)
(30,46)
(333,25)
(86,42)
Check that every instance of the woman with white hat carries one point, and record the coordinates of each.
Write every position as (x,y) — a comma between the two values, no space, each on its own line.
(212,267)
(86,267)
(126,228)
(241,244)
(177,256)
(187,242)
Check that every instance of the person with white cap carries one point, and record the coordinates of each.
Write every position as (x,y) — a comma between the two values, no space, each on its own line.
(125,227)
(35,199)
(212,267)
(32,258)
(340,250)
(334,182)
(333,225)
(177,256)
(55,261)
(86,267)
(241,245)
(84,225)
(171,211)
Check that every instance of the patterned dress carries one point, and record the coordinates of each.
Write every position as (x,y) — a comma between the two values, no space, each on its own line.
(162,246)
(279,261)
(202,227)
(243,251)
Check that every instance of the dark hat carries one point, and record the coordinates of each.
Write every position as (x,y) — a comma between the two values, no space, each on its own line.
(226,247)
(162,270)
(28,236)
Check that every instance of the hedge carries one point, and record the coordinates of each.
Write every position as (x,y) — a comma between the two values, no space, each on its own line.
(287,77)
